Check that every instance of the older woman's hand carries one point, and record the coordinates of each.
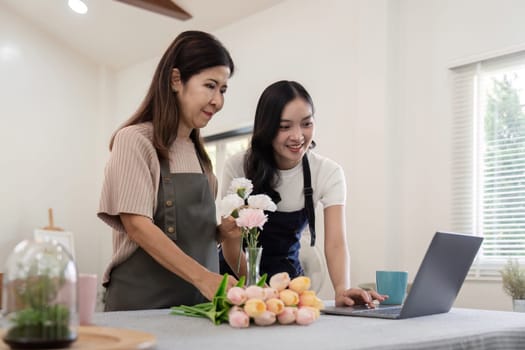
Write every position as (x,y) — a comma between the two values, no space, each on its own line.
(209,283)
(357,296)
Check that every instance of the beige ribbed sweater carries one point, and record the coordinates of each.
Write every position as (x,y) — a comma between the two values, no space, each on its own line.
(131,182)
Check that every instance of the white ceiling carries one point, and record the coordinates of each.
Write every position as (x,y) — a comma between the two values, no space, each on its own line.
(118,34)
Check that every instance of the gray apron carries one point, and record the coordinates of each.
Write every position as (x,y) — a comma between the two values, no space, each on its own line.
(186,214)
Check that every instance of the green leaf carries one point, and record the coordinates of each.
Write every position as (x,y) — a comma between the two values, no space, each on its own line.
(241,192)
(221,291)
(241,282)
(217,310)
(262,280)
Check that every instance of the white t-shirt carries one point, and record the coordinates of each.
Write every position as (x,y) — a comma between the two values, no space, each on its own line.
(328,182)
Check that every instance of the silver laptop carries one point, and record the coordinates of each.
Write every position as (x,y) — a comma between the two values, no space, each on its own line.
(437,283)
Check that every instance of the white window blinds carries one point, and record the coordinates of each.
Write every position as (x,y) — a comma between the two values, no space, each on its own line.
(488,177)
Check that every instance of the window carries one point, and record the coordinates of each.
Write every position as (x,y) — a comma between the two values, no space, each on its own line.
(221,146)
(489,159)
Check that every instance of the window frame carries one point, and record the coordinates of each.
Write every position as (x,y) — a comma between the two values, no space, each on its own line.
(467,159)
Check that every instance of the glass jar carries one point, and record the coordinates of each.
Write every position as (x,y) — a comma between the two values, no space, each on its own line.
(40,296)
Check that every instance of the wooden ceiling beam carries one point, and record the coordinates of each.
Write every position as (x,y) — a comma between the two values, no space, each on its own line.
(164,7)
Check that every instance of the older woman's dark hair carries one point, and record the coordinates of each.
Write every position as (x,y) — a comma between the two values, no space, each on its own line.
(191,52)
(260,165)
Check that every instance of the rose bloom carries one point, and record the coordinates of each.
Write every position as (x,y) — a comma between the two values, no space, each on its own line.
(237,295)
(270,293)
(241,186)
(261,201)
(289,297)
(251,218)
(254,292)
(265,319)
(288,315)
(280,281)
(254,307)
(238,318)
(300,284)
(305,316)
(275,305)
(230,203)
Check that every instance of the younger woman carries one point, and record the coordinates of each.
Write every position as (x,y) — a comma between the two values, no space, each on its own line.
(281,164)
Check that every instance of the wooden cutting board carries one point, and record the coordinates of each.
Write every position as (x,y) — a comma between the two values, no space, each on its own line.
(106,338)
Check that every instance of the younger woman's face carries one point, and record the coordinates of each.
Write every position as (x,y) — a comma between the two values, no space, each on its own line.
(296,131)
(200,97)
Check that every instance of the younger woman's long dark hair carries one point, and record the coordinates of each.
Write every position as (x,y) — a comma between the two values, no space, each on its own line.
(191,52)
(259,165)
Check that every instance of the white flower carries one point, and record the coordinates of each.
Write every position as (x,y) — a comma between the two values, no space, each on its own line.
(241,186)
(261,201)
(230,203)
(247,210)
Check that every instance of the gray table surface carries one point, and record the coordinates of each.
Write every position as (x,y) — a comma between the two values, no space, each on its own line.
(458,329)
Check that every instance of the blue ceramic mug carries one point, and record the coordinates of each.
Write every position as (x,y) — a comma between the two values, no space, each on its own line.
(393,284)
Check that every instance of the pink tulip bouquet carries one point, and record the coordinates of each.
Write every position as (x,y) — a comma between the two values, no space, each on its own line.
(284,301)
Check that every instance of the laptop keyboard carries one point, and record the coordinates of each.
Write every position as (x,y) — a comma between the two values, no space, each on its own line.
(395,310)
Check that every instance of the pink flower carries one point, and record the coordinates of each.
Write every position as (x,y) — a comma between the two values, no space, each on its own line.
(238,318)
(288,315)
(265,319)
(280,281)
(319,305)
(254,292)
(307,298)
(300,284)
(237,295)
(254,307)
(275,305)
(270,293)
(289,297)
(305,316)
(316,311)
(251,218)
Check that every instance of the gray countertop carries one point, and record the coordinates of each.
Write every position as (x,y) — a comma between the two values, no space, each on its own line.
(460,328)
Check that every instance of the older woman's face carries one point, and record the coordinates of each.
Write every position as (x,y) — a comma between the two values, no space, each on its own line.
(296,131)
(201,97)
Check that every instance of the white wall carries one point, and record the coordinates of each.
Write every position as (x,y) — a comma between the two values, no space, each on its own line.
(432,36)
(49,150)
(378,73)
(339,51)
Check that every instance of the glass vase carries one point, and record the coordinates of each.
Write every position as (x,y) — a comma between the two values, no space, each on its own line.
(39,296)
(253,259)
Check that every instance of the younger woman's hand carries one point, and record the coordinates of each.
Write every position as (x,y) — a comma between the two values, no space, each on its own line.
(228,229)
(358,296)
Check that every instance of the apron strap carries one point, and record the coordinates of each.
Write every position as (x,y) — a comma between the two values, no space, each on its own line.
(308,200)
(168,226)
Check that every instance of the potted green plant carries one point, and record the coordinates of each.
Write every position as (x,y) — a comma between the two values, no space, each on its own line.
(513,279)
(38,320)
(40,295)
